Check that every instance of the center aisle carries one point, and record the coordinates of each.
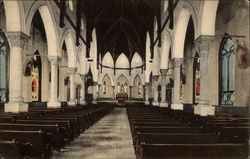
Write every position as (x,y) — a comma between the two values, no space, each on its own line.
(110,138)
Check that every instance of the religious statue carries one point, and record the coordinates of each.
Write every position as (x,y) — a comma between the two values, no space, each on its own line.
(118,87)
(126,87)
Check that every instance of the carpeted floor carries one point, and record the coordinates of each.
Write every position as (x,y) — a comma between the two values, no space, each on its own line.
(110,138)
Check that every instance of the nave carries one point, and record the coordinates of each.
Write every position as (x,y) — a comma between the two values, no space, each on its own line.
(66,64)
(107,131)
(109,138)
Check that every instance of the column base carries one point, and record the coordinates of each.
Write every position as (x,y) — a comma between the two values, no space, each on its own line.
(204,110)
(82,102)
(72,103)
(53,104)
(94,102)
(16,107)
(146,103)
(177,106)
(163,104)
(155,103)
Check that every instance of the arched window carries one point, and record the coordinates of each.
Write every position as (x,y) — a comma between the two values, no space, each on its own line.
(227,70)
(104,87)
(36,74)
(139,88)
(196,79)
(3,68)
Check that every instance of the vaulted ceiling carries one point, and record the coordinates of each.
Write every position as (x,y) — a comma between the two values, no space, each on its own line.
(121,25)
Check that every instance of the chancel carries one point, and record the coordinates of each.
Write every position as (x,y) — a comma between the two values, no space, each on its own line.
(124,79)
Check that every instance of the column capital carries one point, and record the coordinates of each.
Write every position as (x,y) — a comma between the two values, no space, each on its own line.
(203,43)
(178,62)
(95,83)
(18,39)
(71,70)
(54,60)
(163,72)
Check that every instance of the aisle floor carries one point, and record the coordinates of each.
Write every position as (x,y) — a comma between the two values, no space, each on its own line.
(109,138)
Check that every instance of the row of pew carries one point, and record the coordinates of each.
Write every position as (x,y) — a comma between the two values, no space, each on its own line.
(39,132)
(162,133)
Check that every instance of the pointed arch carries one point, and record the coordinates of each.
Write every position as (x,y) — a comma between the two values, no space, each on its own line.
(106,90)
(122,76)
(67,37)
(107,75)
(108,60)
(180,32)
(165,50)
(147,59)
(207,18)
(81,53)
(122,61)
(137,89)
(133,79)
(136,60)
(49,25)
(94,56)
(14,16)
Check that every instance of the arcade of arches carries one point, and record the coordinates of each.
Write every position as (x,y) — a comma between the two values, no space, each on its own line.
(202,63)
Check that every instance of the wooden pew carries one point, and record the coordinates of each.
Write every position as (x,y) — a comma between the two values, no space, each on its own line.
(75,123)
(167,129)
(175,138)
(37,140)
(234,134)
(52,131)
(84,122)
(192,151)
(63,124)
(162,123)
(11,149)
(216,126)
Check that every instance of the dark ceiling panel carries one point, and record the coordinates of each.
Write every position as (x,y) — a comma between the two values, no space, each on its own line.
(121,25)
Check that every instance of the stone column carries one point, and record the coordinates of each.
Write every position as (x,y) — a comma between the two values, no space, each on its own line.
(18,41)
(202,46)
(53,101)
(130,91)
(163,102)
(146,93)
(72,98)
(82,99)
(99,91)
(176,103)
(155,89)
(95,93)
(113,88)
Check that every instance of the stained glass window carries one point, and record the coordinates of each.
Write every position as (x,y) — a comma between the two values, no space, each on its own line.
(227,70)
(139,88)
(3,69)
(196,79)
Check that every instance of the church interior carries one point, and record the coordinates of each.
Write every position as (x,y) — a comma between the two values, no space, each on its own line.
(124,79)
